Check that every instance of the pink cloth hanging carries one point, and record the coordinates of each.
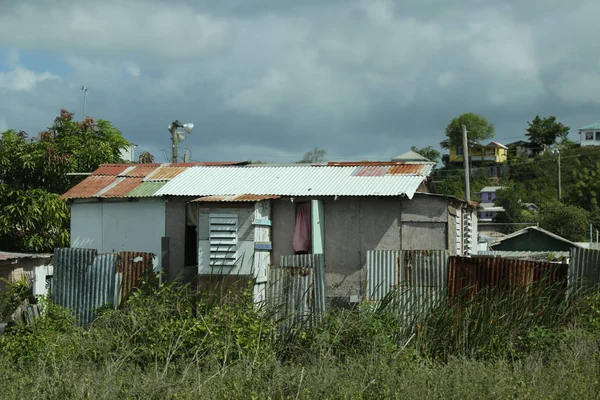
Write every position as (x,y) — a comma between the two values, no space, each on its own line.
(302,236)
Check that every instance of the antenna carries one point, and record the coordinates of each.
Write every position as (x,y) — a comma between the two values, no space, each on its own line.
(85,89)
(186,155)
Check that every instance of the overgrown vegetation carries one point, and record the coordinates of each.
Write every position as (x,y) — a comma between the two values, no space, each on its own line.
(178,343)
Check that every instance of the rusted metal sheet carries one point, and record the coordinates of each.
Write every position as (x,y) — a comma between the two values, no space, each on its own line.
(123,187)
(467,276)
(140,170)
(89,187)
(235,198)
(584,269)
(133,267)
(111,169)
(416,278)
(166,172)
(297,288)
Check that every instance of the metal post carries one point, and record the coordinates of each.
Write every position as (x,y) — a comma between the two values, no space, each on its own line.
(466,163)
(559,186)
(591,235)
(597,244)
(175,141)
(85,89)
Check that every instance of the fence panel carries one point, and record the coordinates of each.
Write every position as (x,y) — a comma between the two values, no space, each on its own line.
(466,276)
(85,280)
(297,288)
(584,269)
(418,277)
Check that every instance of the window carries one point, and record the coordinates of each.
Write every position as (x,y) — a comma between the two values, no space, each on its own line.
(589,136)
(459,150)
(223,239)
(598,136)
(489,196)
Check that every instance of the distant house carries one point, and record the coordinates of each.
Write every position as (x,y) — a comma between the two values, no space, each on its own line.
(487,209)
(492,152)
(533,238)
(411,156)
(523,149)
(243,219)
(128,153)
(590,135)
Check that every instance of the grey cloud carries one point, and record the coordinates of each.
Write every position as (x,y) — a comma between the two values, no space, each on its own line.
(271,79)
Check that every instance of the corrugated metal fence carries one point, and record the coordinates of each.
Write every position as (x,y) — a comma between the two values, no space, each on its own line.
(85,280)
(417,278)
(297,289)
(470,275)
(584,271)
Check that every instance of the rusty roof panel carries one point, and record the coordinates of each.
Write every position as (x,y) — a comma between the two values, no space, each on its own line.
(166,173)
(111,169)
(409,169)
(125,186)
(241,197)
(140,170)
(371,171)
(89,187)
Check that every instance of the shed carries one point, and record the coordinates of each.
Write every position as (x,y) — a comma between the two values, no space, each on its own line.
(533,238)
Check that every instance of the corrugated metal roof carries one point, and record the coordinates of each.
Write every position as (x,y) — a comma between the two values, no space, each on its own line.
(234,198)
(296,180)
(5,255)
(140,170)
(89,187)
(592,126)
(124,186)
(146,189)
(166,173)
(111,169)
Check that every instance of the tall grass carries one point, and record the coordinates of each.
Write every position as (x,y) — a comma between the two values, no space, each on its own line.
(176,342)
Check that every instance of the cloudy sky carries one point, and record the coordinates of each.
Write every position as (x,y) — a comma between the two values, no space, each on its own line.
(270,79)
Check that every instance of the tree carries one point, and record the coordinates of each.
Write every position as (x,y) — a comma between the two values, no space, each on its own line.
(146,158)
(478,129)
(545,131)
(428,152)
(570,222)
(315,155)
(33,175)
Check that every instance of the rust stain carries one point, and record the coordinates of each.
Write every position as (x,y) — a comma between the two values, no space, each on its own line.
(89,187)
(134,267)
(111,169)
(234,198)
(141,170)
(372,171)
(407,169)
(467,276)
(122,188)
(166,172)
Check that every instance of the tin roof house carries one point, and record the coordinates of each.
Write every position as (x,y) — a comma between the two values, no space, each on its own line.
(242,219)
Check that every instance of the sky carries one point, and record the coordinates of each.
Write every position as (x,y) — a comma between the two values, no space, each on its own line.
(271,79)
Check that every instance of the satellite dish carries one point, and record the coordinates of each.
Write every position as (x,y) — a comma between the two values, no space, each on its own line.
(188,127)
(180,136)
(169,127)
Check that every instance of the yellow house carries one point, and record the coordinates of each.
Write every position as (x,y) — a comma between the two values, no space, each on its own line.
(493,152)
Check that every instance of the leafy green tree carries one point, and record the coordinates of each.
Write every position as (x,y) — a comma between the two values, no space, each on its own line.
(428,152)
(545,131)
(570,222)
(33,175)
(315,155)
(478,129)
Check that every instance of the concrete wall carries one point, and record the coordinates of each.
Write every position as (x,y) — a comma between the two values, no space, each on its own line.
(354,225)
(111,227)
(175,231)
(13,270)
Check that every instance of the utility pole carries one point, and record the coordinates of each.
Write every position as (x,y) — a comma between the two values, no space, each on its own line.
(466,162)
(85,89)
(175,140)
(559,185)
